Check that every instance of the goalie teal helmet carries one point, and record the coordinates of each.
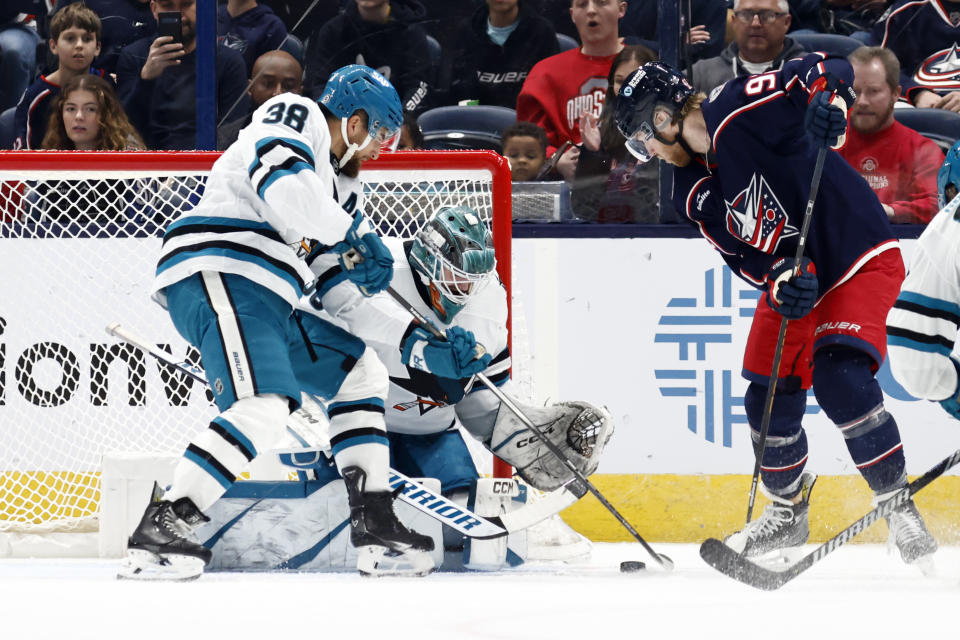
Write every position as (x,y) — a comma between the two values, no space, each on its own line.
(453,253)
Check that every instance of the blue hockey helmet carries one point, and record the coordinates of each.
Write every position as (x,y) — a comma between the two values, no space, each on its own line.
(949,175)
(649,99)
(454,254)
(355,87)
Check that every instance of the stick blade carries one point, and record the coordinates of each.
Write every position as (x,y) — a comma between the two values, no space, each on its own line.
(732,564)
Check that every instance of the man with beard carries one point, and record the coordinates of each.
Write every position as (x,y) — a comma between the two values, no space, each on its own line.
(157,82)
(231,273)
(899,164)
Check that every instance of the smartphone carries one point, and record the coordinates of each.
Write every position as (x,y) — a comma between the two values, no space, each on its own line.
(169,24)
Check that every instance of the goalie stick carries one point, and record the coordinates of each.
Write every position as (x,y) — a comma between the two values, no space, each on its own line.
(415,494)
(730,563)
(578,480)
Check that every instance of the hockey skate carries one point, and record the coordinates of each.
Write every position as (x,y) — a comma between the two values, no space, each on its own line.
(909,535)
(163,546)
(781,526)
(384,545)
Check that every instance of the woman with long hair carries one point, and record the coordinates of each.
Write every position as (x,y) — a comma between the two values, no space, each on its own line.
(609,185)
(87,116)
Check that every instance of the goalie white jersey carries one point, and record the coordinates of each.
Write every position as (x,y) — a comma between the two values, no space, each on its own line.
(271,199)
(419,403)
(922,326)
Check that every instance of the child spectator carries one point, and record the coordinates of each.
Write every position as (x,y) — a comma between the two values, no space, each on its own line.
(86,116)
(495,51)
(157,83)
(525,146)
(249,28)
(123,22)
(562,87)
(384,34)
(75,39)
(411,137)
(610,186)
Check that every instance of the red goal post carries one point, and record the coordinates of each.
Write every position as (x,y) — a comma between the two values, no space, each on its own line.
(79,238)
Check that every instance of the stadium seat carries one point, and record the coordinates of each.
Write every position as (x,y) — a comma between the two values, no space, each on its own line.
(294,46)
(829,42)
(465,127)
(941,126)
(566,43)
(7,133)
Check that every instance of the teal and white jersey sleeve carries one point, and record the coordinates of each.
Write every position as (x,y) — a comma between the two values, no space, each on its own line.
(416,402)
(922,326)
(269,199)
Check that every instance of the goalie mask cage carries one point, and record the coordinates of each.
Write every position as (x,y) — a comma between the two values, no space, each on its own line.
(80,235)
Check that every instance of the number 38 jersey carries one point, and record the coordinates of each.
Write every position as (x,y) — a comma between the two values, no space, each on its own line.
(270,198)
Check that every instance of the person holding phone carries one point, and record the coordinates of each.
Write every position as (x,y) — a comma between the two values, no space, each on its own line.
(156,79)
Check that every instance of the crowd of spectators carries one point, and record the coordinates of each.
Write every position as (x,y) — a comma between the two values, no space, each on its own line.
(555,62)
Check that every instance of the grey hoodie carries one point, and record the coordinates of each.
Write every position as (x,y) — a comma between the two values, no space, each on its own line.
(713,72)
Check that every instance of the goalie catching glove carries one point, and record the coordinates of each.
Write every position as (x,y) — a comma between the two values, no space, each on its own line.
(579,429)
(364,258)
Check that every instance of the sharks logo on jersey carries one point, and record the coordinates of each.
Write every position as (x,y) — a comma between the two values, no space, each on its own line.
(941,70)
(756,217)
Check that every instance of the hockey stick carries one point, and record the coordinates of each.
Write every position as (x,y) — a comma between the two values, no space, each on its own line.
(581,485)
(782,336)
(728,562)
(421,498)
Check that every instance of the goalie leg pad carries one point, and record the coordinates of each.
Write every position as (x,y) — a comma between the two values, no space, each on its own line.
(579,429)
(493,497)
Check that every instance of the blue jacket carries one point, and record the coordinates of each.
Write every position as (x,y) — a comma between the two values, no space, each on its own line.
(251,34)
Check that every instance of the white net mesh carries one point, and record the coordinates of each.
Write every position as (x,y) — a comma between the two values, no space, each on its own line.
(78,247)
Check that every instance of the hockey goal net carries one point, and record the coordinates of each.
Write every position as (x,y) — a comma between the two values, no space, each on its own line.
(80,234)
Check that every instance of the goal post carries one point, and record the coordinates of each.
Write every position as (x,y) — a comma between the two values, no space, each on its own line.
(80,233)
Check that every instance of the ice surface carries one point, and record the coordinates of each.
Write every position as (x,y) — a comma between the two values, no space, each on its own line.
(857,592)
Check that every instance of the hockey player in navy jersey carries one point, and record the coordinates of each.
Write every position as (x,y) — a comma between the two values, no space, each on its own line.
(743,164)
(922,326)
(231,273)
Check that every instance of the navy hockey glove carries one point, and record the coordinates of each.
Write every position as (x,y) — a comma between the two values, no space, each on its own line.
(454,357)
(364,258)
(826,116)
(792,296)
(952,404)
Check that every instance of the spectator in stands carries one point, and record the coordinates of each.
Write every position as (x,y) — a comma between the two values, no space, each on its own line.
(274,72)
(495,51)
(18,48)
(704,39)
(561,88)
(156,80)
(923,35)
(411,136)
(854,18)
(75,40)
(610,186)
(760,44)
(87,116)
(124,22)
(383,34)
(525,146)
(249,28)
(899,164)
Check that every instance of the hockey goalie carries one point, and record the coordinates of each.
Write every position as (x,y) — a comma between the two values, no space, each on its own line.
(447,273)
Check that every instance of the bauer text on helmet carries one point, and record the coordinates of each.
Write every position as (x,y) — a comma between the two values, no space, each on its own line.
(649,100)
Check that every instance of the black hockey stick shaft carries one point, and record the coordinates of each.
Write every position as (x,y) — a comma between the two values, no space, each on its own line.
(663,560)
(729,562)
(782,336)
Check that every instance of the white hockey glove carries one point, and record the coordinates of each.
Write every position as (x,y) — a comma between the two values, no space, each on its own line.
(579,429)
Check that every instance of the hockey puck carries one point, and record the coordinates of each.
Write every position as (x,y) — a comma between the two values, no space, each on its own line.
(629,566)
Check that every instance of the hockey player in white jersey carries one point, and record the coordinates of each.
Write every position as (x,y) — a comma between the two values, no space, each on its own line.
(231,273)
(447,272)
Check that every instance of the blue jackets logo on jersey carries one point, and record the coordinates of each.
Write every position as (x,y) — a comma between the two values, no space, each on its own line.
(756,217)
(940,70)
